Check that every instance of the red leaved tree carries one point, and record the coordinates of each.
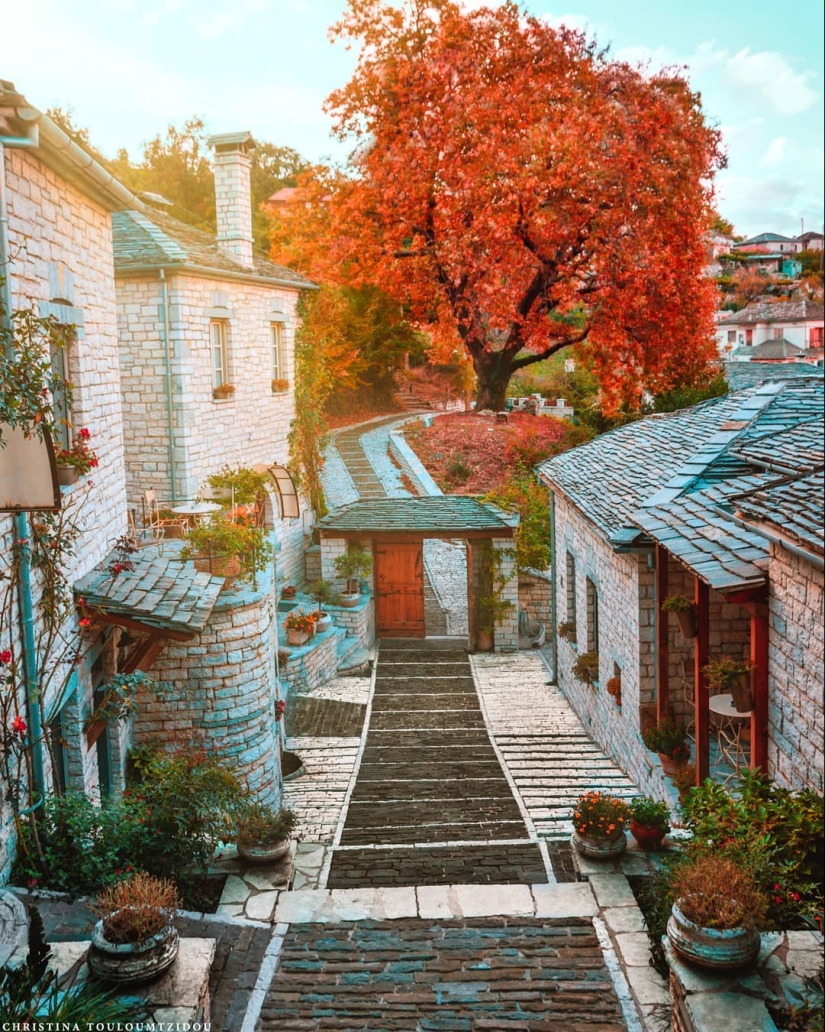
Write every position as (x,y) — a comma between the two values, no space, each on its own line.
(520,192)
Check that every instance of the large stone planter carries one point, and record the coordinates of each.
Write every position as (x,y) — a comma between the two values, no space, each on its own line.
(709,947)
(124,964)
(599,848)
(264,854)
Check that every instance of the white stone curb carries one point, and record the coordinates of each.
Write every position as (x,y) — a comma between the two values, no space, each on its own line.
(266,973)
(620,984)
(412,465)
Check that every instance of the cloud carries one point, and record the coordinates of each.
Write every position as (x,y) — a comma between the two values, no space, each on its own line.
(768,76)
(775,203)
(776,152)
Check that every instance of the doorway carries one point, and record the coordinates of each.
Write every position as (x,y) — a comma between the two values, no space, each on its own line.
(399,590)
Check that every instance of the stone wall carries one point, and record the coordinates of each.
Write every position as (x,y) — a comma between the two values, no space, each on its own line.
(313,664)
(795,713)
(222,685)
(535,595)
(624,589)
(62,265)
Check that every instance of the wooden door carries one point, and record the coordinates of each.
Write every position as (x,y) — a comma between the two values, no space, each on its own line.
(399,590)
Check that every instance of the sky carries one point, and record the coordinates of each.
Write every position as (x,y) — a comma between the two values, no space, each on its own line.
(128,68)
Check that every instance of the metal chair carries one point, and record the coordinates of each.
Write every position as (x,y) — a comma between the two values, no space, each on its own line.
(145,537)
(153,519)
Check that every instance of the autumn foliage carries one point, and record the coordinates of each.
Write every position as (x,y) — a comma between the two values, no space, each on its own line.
(518,191)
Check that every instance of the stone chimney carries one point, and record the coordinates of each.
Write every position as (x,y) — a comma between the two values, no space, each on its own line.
(233,196)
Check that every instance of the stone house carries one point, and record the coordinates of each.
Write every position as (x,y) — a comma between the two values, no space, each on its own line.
(647,511)
(800,323)
(206,330)
(59,203)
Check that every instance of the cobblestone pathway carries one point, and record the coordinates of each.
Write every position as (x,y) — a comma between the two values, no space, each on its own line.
(359,467)
(314,717)
(544,745)
(444,790)
(494,974)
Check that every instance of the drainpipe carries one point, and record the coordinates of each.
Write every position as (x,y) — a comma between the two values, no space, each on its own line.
(554,652)
(21,523)
(167,365)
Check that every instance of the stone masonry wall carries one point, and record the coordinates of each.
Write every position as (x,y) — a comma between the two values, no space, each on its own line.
(625,587)
(535,594)
(222,685)
(62,264)
(795,712)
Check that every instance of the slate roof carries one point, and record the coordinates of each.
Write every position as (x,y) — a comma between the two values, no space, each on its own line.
(764,238)
(609,478)
(770,350)
(161,592)
(741,375)
(153,239)
(798,450)
(441,514)
(697,531)
(775,311)
(794,506)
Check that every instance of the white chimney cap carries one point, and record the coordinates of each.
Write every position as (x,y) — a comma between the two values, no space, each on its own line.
(230,141)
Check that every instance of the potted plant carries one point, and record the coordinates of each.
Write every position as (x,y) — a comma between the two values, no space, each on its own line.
(732,676)
(614,688)
(299,627)
(76,461)
(490,609)
(325,595)
(649,821)
(718,911)
(684,779)
(352,566)
(668,738)
(685,612)
(599,822)
(263,834)
(135,939)
(567,630)
(586,668)
(240,485)
(226,390)
(288,591)
(280,386)
(225,549)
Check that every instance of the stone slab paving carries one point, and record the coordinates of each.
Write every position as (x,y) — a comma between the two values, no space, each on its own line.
(313,717)
(443,865)
(418,974)
(318,796)
(544,745)
(446,565)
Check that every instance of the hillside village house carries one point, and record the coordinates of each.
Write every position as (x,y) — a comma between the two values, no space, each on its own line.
(219,315)
(653,509)
(799,323)
(59,206)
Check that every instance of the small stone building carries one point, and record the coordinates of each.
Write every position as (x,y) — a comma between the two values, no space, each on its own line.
(206,331)
(644,512)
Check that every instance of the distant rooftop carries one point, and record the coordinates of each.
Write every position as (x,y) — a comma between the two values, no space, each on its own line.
(441,515)
(775,311)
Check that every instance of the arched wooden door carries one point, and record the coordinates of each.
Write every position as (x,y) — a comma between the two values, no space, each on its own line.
(399,589)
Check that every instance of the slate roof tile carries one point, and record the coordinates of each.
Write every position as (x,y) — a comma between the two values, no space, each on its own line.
(439,514)
(801,449)
(793,505)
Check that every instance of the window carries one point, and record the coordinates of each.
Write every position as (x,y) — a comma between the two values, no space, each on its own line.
(59,406)
(220,364)
(817,333)
(571,589)
(57,739)
(749,338)
(731,336)
(279,372)
(592,616)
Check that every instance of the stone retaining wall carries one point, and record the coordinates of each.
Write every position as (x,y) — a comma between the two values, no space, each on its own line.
(535,594)
(313,664)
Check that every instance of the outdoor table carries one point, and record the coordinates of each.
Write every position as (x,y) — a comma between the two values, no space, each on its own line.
(729,729)
(196,512)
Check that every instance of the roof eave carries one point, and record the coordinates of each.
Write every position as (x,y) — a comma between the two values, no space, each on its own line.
(135,271)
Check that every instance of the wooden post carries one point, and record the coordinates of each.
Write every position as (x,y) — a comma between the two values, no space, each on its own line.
(700,661)
(759,685)
(662,637)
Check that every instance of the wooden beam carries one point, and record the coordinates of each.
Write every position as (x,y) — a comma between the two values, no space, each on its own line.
(700,661)
(145,654)
(662,637)
(759,687)
(135,625)
(748,595)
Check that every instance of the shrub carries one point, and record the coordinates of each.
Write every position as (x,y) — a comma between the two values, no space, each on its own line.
(597,815)
(586,667)
(137,908)
(650,813)
(260,825)
(300,621)
(724,672)
(567,630)
(684,778)
(223,539)
(677,604)
(716,892)
(458,470)
(525,494)
(245,484)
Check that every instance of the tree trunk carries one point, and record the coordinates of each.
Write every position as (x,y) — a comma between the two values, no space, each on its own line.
(493,373)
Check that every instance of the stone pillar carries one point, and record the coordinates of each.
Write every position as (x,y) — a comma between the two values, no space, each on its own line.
(331,548)
(506,629)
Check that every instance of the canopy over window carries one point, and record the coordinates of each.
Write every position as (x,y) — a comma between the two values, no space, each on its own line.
(287,492)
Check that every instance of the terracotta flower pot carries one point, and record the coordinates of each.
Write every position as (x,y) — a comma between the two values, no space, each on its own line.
(294,637)
(600,848)
(264,854)
(648,838)
(687,622)
(124,964)
(671,765)
(350,599)
(711,947)
(484,641)
(740,689)
(67,475)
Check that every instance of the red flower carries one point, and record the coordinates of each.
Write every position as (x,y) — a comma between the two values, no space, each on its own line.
(81,602)
(777,900)
(5,656)
(84,433)
(19,726)
(85,622)
(280,706)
